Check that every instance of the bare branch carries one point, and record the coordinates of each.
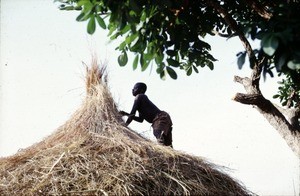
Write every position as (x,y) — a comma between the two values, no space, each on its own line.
(232,24)
(249,99)
(260,9)
(257,67)
(238,79)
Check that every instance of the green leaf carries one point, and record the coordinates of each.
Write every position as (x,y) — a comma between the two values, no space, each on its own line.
(163,75)
(100,22)
(132,13)
(122,46)
(135,62)
(276,96)
(189,71)
(270,44)
(143,16)
(126,29)
(139,46)
(294,65)
(86,12)
(172,73)
(195,69)
(210,57)
(111,28)
(284,103)
(173,62)
(114,36)
(91,25)
(83,2)
(131,38)
(134,6)
(160,68)
(281,62)
(171,52)
(241,60)
(80,17)
(123,59)
(210,65)
(88,7)
(159,58)
(148,56)
(145,65)
(143,62)
(63,7)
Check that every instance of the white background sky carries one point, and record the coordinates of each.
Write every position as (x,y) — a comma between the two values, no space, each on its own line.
(42,84)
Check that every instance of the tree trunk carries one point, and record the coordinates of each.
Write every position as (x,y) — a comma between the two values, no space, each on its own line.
(283,120)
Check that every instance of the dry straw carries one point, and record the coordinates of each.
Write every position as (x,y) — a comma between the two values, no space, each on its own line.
(93,153)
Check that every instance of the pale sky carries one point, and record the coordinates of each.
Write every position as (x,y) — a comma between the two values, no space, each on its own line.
(42,84)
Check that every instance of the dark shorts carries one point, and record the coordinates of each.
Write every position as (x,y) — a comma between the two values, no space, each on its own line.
(162,128)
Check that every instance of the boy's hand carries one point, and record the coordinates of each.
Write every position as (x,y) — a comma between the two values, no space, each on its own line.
(123,113)
(130,115)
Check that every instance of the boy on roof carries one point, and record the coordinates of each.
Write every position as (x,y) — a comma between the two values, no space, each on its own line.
(161,120)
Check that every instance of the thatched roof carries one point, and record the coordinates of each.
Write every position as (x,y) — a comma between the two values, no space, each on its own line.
(93,153)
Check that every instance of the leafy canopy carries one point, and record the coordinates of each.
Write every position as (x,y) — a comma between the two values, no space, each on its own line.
(171,32)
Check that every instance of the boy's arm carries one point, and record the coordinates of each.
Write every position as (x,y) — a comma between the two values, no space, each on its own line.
(131,115)
(123,113)
(136,118)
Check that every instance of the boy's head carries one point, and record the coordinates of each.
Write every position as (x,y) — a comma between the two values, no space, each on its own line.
(139,88)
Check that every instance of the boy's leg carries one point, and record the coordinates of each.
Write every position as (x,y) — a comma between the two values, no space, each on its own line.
(168,138)
(159,135)
(162,138)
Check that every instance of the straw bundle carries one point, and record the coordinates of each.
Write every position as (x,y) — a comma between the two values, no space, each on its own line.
(93,153)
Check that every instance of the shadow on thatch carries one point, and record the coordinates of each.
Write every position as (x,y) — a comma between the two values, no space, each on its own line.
(93,153)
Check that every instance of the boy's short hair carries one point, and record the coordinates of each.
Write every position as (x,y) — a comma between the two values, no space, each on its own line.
(142,86)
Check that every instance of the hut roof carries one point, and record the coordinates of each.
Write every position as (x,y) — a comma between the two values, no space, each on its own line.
(93,153)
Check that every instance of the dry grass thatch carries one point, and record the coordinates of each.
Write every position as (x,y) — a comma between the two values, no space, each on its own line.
(95,154)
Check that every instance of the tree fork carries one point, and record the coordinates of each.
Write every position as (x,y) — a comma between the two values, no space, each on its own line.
(287,128)
(257,68)
(252,87)
(260,9)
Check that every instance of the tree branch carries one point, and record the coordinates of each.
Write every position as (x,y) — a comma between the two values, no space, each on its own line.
(292,115)
(249,99)
(285,122)
(251,85)
(257,67)
(260,9)
(248,85)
